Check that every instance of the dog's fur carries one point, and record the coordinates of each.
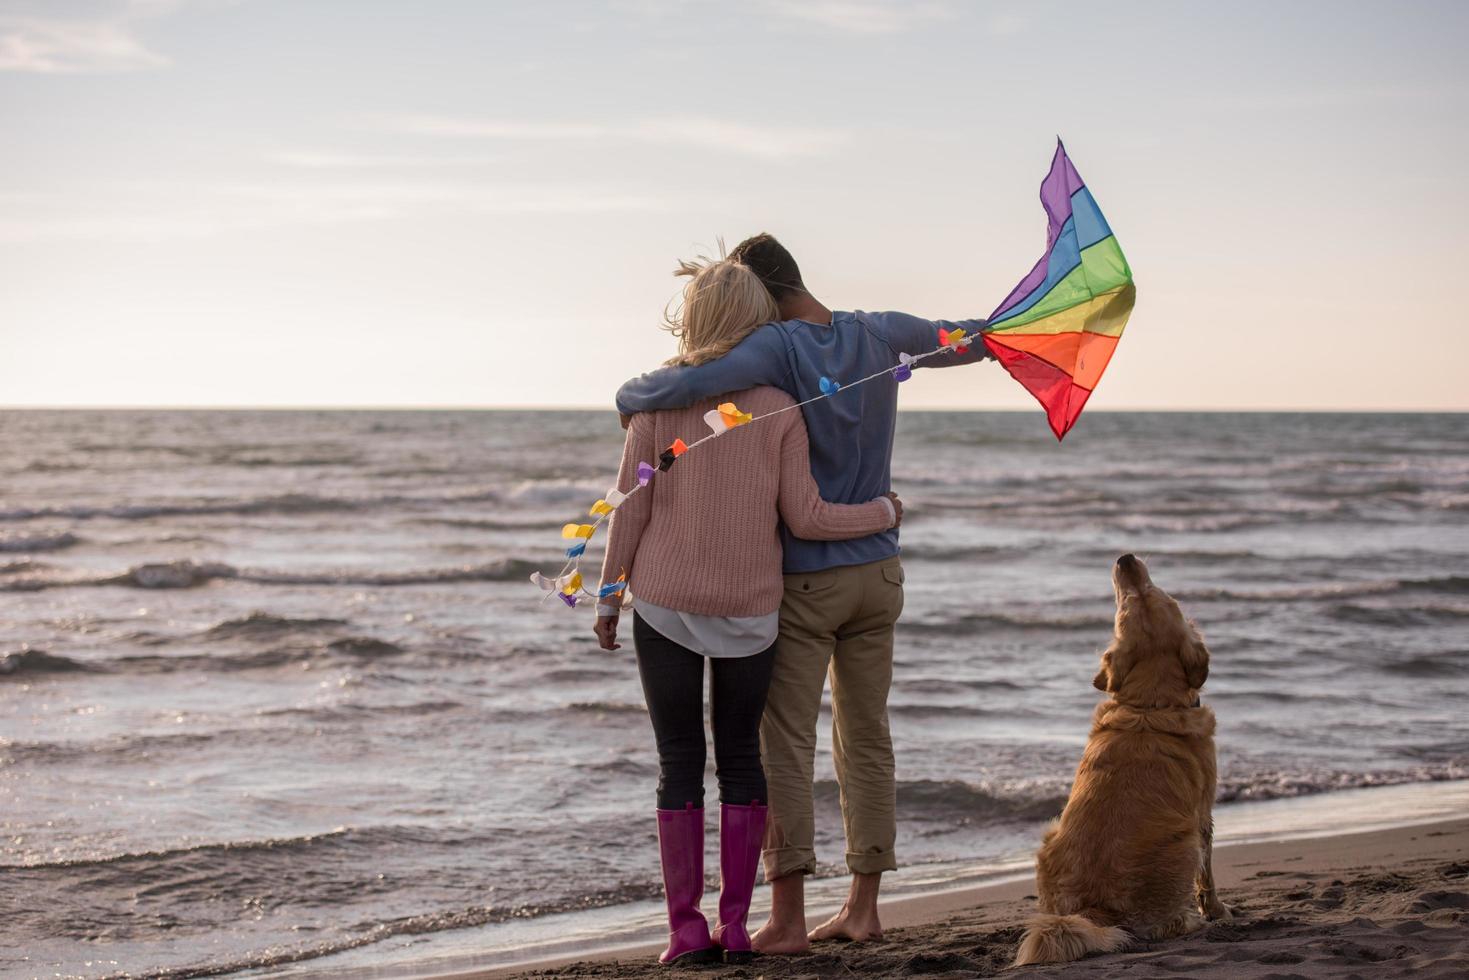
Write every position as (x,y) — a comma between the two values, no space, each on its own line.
(1131,855)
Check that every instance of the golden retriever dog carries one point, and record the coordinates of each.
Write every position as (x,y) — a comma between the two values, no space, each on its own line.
(1131,855)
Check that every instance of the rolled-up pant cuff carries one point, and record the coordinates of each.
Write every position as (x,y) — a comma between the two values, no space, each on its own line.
(782,861)
(868,863)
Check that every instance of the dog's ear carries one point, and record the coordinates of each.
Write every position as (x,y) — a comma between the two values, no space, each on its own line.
(1109,677)
(1117,658)
(1195,658)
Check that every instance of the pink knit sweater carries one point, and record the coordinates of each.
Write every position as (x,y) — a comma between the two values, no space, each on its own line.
(705,539)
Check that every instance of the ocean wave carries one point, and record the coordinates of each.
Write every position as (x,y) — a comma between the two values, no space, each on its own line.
(550,491)
(52,466)
(1397,488)
(1126,515)
(349,648)
(500,570)
(592,670)
(28,662)
(418,925)
(1273,784)
(151,575)
(275,844)
(255,462)
(353,712)
(963,803)
(187,573)
(1454,584)
(23,565)
(1399,617)
(1180,554)
(1287,593)
(979,621)
(121,749)
(265,626)
(956,801)
(946,685)
(913,711)
(346,648)
(363,647)
(38,541)
(491,524)
(287,503)
(1446,753)
(607,708)
(1204,523)
(145,750)
(622,767)
(355,840)
(1447,663)
(1449,584)
(940,553)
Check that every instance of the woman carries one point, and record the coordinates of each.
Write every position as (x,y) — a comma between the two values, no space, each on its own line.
(700,547)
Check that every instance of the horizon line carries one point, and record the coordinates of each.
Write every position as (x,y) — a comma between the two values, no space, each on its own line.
(1119,410)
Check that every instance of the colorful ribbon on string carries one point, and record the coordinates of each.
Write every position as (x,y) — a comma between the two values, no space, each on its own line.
(719,420)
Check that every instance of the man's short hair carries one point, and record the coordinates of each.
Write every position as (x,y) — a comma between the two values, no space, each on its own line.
(769,260)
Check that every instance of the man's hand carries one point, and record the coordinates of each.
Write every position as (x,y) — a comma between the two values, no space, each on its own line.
(606,630)
(897,508)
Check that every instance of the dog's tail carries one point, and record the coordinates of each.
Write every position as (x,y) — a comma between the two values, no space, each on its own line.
(1059,938)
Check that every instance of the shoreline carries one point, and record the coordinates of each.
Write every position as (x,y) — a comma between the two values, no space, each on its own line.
(1309,831)
(1291,898)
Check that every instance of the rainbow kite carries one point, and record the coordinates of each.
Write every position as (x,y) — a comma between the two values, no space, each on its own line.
(1057,329)
(1054,333)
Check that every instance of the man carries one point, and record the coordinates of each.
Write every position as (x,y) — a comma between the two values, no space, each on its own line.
(842,598)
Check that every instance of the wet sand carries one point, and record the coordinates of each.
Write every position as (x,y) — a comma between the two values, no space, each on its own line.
(1383,903)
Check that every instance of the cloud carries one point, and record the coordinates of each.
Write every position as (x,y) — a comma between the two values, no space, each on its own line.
(861,16)
(314,159)
(154,212)
(692,131)
(61,46)
(82,36)
(1007,24)
(760,141)
(1344,95)
(494,129)
(848,16)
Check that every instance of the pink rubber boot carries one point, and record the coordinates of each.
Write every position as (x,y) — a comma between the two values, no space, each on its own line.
(741,831)
(681,848)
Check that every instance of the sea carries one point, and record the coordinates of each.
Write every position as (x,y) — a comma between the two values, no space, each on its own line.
(277,696)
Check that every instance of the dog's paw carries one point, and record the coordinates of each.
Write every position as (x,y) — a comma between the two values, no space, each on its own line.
(1217,911)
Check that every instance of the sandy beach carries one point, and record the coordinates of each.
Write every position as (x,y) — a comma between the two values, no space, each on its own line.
(1376,904)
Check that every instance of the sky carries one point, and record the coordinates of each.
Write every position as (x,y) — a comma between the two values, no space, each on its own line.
(455,203)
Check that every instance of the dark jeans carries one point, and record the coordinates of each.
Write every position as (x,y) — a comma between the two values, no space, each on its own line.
(673,684)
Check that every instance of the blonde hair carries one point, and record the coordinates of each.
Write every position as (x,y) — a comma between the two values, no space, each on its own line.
(723,303)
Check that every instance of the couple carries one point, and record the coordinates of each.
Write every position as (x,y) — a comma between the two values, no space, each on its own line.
(775,557)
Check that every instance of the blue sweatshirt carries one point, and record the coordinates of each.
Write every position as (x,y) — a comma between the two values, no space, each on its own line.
(851,433)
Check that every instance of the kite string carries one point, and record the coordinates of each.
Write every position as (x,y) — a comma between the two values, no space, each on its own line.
(573,563)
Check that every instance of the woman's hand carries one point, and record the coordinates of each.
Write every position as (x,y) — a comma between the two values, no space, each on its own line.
(897,508)
(606,630)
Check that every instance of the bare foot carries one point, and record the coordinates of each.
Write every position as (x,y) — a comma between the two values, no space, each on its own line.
(859,926)
(780,938)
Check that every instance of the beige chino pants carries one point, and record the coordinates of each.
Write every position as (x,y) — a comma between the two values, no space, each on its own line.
(839,622)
